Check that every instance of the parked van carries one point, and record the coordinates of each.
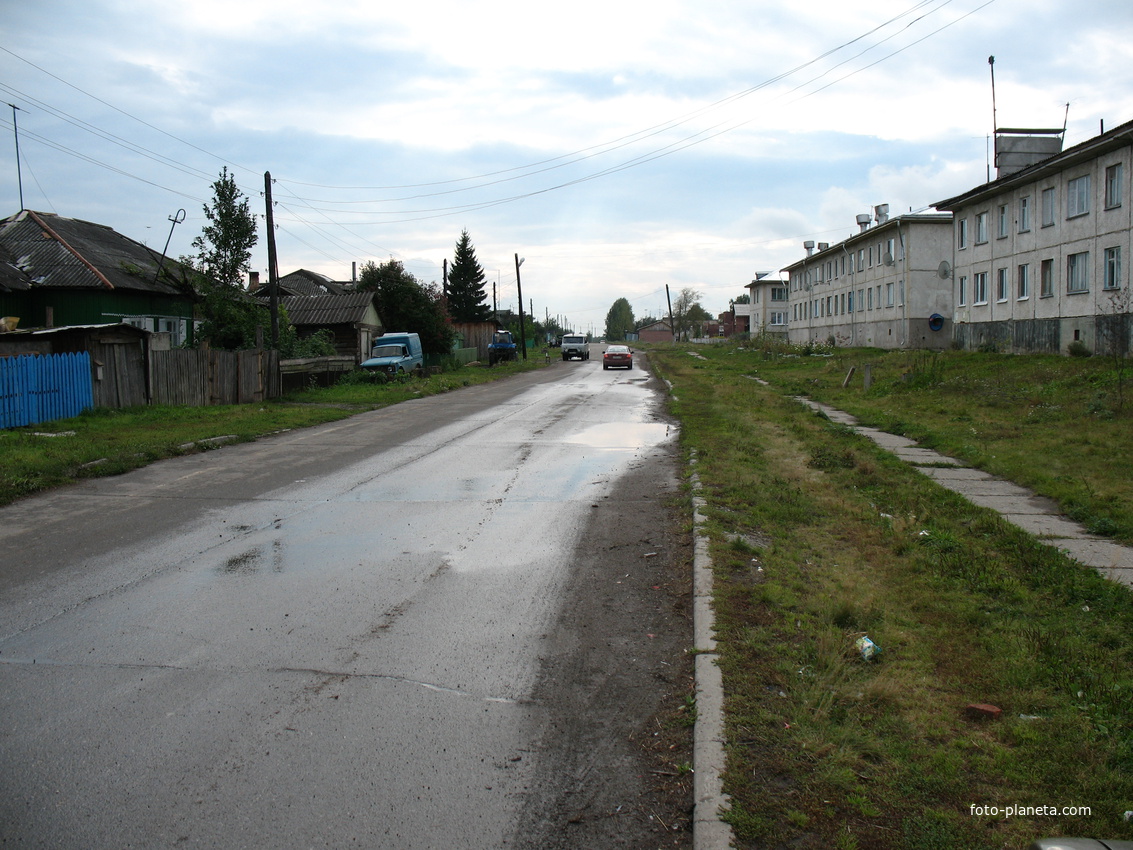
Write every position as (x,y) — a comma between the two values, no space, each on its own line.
(395,354)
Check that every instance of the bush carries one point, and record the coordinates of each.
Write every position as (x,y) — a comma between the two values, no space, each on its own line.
(1078,349)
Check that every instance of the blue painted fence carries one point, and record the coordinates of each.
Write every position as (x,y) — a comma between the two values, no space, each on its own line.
(41,388)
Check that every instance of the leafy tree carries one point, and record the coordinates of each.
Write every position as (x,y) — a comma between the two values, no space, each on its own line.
(224,248)
(405,304)
(466,299)
(619,319)
(687,312)
(229,316)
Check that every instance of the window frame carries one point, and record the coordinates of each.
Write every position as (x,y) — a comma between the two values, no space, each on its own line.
(981,228)
(1049,206)
(1025,214)
(1078,273)
(1078,196)
(1046,278)
(1002,285)
(1023,282)
(1111,265)
(1002,218)
(1114,174)
(979,289)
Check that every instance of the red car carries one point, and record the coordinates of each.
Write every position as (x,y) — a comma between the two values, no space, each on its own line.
(617,355)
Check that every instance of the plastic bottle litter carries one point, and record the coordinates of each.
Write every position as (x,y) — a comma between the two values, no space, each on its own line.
(867,648)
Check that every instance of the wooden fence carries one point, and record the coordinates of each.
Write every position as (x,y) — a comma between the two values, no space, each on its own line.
(37,389)
(198,377)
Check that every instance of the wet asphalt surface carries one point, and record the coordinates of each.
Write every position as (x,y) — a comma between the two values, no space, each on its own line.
(331,637)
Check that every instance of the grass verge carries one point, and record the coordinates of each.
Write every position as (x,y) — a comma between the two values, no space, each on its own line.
(105,441)
(820,538)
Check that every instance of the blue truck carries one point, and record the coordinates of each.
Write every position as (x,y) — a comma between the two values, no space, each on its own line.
(395,354)
(501,348)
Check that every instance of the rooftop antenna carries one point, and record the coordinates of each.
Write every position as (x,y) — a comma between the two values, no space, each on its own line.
(19,173)
(994,118)
(176,219)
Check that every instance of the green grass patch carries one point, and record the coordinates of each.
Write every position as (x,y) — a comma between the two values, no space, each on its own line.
(820,538)
(106,441)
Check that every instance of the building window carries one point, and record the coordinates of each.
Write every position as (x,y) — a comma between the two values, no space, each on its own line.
(888,295)
(1023,282)
(778,318)
(962,292)
(1078,196)
(850,301)
(1048,206)
(979,288)
(778,293)
(1112,268)
(962,234)
(861,259)
(861,300)
(981,228)
(1113,186)
(1078,272)
(1001,285)
(1046,279)
(1024,214)
(1001,231)
(870,296)
(890,257)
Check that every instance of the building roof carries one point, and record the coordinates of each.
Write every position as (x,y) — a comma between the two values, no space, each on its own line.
(1118,137)
(68,253)
(869,235)
(304,282)
(350,308)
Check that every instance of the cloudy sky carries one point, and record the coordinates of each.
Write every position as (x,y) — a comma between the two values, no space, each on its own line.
(619,146)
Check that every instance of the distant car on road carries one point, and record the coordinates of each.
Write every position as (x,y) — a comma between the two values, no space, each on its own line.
(617,355)
(574,345)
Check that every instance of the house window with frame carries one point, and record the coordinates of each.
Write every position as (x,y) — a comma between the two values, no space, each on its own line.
(962,233)
(1078,272)
(962,291)
(1001,285)
(981,228)
(888,295)
(979,288)
(778,293)
(861,300)
(1112,279)
(778,318)
(850,301)
(1113,186)
(1046,279)
(1025,214)
(1048,202)
(1001,232)
(1023,282)
(1078,196)
(870,297)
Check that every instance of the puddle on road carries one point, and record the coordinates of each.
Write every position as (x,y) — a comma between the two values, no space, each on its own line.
(624,435)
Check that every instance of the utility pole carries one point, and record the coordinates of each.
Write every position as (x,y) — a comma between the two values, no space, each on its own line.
(273,270)
(519,289)
(444,277)
(19,172)
(672,324)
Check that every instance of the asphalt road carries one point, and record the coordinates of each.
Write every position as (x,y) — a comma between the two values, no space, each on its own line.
(331,637)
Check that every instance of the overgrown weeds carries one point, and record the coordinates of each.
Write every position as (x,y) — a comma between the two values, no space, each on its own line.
(829,748)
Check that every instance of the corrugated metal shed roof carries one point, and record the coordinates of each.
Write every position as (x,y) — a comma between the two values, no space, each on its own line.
(328,309)
(69,253)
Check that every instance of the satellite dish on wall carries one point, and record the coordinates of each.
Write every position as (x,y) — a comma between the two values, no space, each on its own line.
(888,259)
(935,322)
(944,270)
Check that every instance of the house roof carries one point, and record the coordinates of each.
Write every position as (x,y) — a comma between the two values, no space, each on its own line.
(68,253)
(304,282)
(351,308)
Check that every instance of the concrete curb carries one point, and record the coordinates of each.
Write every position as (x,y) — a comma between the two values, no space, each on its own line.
(709,832)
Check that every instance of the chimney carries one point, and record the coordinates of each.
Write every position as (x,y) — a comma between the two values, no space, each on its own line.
(822,246)
(809,246)
(863,222)
(253,281)
(881,213)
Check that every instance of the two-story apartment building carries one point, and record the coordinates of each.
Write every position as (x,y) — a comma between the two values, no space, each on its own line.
(1039,255)
(768,305)
(882,286)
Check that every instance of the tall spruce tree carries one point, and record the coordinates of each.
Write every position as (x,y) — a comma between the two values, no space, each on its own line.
(466,298)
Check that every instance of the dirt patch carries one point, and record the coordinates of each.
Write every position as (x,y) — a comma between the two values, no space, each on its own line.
(614,760)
